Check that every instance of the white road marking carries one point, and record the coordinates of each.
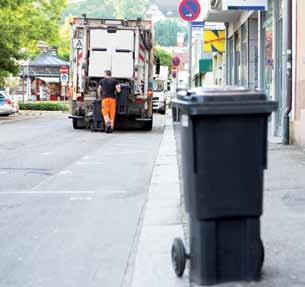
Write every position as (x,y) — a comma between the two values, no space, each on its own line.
(48,192)
(81,198)
(90,163)
(65,172)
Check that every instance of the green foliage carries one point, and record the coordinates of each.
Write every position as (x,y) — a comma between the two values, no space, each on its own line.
(165,57)
(120,9)
(130,9)
(166,32)
(23,24)
(43,106)
(64,41)
(92,8)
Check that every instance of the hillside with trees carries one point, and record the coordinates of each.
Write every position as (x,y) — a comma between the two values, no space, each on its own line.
(130,9)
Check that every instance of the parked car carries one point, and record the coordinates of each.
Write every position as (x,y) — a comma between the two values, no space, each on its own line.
(7,106)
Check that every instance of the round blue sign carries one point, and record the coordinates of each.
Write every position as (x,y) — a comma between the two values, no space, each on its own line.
(189,10)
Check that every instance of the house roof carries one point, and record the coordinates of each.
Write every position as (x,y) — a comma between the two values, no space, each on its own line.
(44,65)
(49,60)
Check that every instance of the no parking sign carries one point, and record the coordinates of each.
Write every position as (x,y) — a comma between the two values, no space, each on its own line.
(64,78)
(189,10)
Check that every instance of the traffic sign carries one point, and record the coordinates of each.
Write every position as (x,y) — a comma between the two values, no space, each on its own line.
(78,44)
(245,5)
(189,10)
(176,61)
(64,70)
(64,78)
(198,25)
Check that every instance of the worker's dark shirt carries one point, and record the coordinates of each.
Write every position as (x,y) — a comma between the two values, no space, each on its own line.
(108,88)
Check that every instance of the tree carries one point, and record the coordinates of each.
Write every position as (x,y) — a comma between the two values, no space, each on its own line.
(166,32)
(64,41)
(130,9)
(23,24)
(120,9)
(92,8)
(164,56)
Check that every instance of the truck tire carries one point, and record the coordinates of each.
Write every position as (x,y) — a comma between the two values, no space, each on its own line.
(76,125)
(148,125)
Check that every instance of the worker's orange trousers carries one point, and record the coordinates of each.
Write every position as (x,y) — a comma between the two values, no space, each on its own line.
(109,111)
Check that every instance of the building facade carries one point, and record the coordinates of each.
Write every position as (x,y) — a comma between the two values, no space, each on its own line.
(257,57)
(297,123)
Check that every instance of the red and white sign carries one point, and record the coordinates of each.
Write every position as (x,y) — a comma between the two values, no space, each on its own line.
(176,61)
(194,10)
(189,10)
(64,70)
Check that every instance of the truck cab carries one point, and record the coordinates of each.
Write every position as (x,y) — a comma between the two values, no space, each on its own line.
(159,98)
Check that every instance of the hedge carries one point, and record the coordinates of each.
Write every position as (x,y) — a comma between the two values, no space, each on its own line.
(43,106)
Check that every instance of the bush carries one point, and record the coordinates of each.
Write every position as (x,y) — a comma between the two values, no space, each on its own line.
(43,106)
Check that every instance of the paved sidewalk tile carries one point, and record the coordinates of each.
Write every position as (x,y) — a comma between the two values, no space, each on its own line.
(283,222)
(162,221)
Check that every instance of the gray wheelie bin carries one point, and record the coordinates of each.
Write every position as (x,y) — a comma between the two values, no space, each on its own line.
(224,155)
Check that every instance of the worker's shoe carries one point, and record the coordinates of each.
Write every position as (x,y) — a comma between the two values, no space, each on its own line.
(108,129)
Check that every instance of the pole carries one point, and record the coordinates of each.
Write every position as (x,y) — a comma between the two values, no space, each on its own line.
(286,121)
(23,85)
(28,81)
(190,35)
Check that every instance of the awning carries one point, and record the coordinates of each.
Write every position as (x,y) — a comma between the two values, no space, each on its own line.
(49,80)
(222,16)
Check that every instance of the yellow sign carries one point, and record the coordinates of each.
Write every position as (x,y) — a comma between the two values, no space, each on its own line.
(214,41)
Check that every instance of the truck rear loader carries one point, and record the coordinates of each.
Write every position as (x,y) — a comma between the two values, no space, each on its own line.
(126,48)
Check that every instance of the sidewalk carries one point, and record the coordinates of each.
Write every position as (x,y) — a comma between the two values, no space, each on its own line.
(27,115)
(283,223)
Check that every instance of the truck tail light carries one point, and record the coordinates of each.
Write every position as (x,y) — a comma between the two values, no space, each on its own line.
(140,101)
(150,93)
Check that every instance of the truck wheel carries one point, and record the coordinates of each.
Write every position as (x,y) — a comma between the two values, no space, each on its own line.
(148,125)
(76,125)
(163,112)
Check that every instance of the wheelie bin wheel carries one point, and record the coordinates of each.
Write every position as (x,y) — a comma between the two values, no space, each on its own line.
(178,257)
(262,255)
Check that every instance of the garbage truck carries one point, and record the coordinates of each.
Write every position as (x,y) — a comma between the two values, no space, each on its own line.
(126,48)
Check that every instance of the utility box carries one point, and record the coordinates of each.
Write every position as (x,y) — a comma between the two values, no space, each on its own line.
(224,155)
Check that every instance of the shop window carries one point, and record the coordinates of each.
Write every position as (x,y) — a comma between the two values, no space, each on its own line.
(231,61)
(237,65)
(244,55)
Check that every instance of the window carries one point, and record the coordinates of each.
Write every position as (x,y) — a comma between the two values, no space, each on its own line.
(237,58)
(244,55)
(231,61)
(158,85)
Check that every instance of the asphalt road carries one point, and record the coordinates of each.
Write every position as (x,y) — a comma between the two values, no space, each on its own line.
(71,202)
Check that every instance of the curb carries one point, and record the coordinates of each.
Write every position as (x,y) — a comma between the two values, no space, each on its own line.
(162,221)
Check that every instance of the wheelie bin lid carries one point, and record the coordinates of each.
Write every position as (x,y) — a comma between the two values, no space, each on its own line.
(224,101)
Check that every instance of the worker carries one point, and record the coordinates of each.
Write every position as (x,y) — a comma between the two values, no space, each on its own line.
(108,88)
